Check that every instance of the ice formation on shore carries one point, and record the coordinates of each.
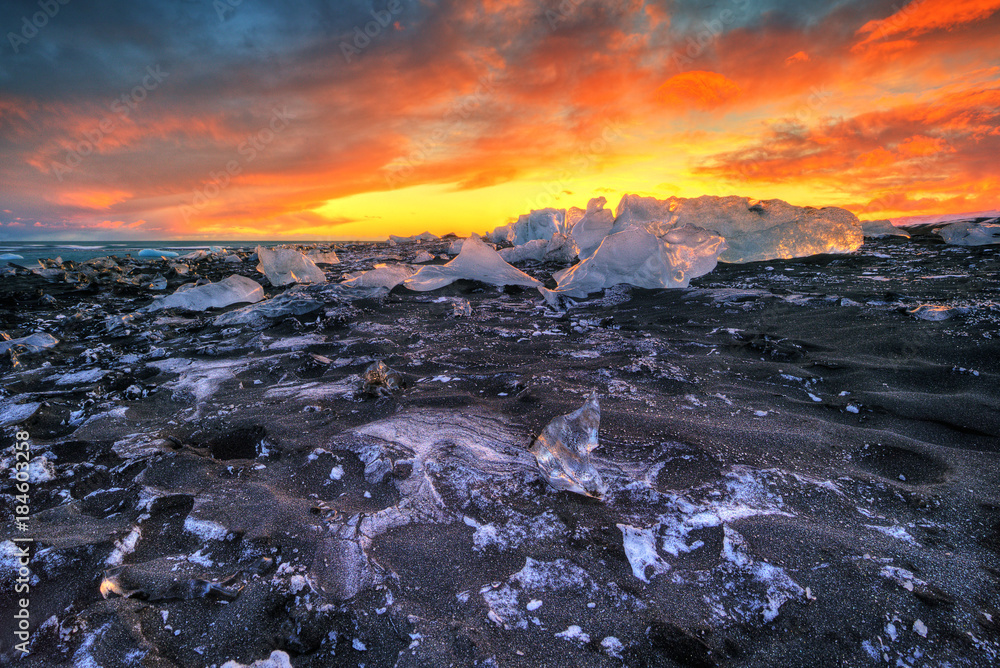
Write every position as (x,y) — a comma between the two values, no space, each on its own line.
(563,451)
(382,276)
(233,290)
(284,266)
(539,224)
(588,228)
(640,258)
(323,257)
(879,229)
(968,233)
(476,262)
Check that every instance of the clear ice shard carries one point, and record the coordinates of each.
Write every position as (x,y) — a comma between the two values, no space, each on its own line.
(33,342)
(588,228)
(476,262)
(970,234)
(385,276)
(284,266)
(640,258)
(323,257)
(879,229)
(233,290)
(381,380)
(563,451)
(539,224)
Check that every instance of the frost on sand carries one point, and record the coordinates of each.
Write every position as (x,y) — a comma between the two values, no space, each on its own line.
(476,262)
(563,451)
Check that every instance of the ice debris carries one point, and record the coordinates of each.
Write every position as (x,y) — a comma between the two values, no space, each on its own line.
(879,229)
(323,257)
(153,253)
(456,247)
(539,224)
(292,302)
(588,228)
(640,258)
(476,262)
(560,248)
(640,550)
(968,233)
(33,342)
(422,257)
(284,266)
(385,276)
(563,451)
(233,290)
(278,659)
(380,380)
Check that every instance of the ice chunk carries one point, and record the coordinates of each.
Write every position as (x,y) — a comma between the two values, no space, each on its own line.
(33,342)
(753,230)
(562,248)
(151,252)
(423,236)
(532,250)
(937,312)
(292,302)
(11,256)
(588,228)
(285,266)
(323,257)
(456,247)
(233,259)
(422,257)
(640,549)
(476,262)
(971,234)
(879,229)
(638,257)
(382,276)
(380,380)
(278,659)
(229,291)
(563,451)
(539,224)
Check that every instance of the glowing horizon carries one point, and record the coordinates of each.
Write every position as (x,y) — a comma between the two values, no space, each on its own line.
(240,121)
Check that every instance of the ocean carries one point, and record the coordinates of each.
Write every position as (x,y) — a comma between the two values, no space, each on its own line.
(32,251)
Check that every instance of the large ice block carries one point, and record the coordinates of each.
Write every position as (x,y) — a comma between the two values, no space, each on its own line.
(284,266)
(539,224)
(970,234)
(588,228)
(476,262)
(563,451)
(233,290)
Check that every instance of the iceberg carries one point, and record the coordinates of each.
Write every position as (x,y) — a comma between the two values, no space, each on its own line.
(539,224)
(753,230)
(323,257)
(563,450)
(588,228)
(232,290)
(284,266)
(476,262)
(33,342)
(423,236)
(879,229)
(971,234)
(382,276)
(11,256)
(640,258)
(150,252)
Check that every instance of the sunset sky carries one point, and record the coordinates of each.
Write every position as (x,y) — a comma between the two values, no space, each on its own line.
(244,119)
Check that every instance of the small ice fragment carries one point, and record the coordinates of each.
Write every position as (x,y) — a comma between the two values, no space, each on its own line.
(33,342)
(851,408)
(278,659)
(936,312)
(380,380)
(533,605)
(322,257)
(968,233)
(563,451)
(422,257)
(814,397)
(640,549)
(284,266)
(11,256)
(613,646)
(920,628)
(761,413)
(40,470)
(337,472)
(358,645)
(575,634)
(152,252)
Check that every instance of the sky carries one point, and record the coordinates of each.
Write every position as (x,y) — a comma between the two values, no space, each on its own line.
(327,120)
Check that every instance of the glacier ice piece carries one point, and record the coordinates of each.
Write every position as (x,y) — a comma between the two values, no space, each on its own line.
(968,233)
(422,257)
(456,247)
(382,276)
(476,262)
(879,229)
(33,342)
(423,236)
(563,451)
(323,257)
(284,266)
(588,228)
(11,256)
(531,250)
(539,224)
(292,302)
(640,258)
(152,252)
(380,380)
(753,230)
(233,290)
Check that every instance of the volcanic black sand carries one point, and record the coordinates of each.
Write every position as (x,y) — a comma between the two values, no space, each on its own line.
(801,471)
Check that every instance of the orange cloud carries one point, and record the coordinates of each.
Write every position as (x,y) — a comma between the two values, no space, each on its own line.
(800,57)
(700,89)
(923,16)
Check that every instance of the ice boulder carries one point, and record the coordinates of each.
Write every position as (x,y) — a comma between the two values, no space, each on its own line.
(539,224)
(476,262)
(233,290)
(879,229)
(284,266)
(640,258)
(382,276)
(753,230)
(323,257)
(423,236)
(971,234)
(151,252)
(588,228)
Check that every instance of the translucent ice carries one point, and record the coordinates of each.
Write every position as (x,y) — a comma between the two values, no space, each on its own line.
(150,252)
(588,228)
(539,224)
(476,262)
(292,302)
(381,380)
(382,276)
(456,247)
(422,257)
(33,342)
(532,250)
(971,234)
(878,229)
(640,258)
(233,290)
(323,257)
(11,256)
(563,451)
(284,266)
(753,230)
